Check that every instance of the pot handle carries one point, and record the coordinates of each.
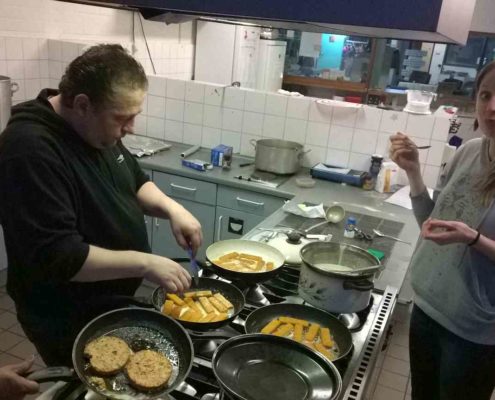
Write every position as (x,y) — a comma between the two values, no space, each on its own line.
(14,87)
(302,153)
(253,142)
(361,286)
(51,374)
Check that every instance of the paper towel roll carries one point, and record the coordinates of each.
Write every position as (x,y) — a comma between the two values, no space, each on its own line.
(448,153)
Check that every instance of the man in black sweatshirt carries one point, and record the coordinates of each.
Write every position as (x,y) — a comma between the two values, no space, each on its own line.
(72,200)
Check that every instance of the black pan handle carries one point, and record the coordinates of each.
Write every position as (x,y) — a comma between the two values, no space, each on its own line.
(51,374)
(361,286)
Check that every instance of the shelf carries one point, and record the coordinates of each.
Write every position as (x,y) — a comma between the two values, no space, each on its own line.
(345,86)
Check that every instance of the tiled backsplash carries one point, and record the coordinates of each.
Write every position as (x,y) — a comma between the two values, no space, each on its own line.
(201,113)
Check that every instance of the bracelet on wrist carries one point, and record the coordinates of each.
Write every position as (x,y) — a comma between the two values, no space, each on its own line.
(475,240)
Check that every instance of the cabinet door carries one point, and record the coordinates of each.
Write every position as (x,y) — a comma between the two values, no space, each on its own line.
(233,224)
(163,241)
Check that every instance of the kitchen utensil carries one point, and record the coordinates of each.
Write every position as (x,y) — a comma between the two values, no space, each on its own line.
(418,101)
(141,329)
(422,147)
(261,367)
(360,234)
(260,317)
(246,164)
(334,214)
(230,292)
(381,234)
(268,253)
(278,156)
(194,266)
(256,180)
(337,277)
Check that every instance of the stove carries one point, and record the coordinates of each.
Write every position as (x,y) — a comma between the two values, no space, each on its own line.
(367,330)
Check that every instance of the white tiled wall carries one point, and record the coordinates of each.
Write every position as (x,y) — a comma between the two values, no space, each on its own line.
(208,114)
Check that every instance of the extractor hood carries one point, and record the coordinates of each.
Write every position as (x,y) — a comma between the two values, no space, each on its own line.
(445,21)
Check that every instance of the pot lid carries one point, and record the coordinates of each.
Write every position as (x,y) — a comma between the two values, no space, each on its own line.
(340,259)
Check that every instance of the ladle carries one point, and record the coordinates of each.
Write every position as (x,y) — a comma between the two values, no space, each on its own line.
(334,214)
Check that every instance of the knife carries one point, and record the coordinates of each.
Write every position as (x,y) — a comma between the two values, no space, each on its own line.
(194,266)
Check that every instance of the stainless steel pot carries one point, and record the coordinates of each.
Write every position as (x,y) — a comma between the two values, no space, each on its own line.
(337,277)
(278,156)
(7,89)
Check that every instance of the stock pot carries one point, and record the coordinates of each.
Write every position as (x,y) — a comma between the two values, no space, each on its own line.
(278,156)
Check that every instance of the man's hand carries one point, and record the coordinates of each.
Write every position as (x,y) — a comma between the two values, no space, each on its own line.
(447,232)
(186,229)
(12,385)
(166,273)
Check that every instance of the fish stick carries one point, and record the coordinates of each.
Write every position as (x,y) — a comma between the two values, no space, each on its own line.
(271,326)
(323,350)
(325,337)
(207,317)
(190,302)
(250,257)
(309,344)
(223,300)
(269,266)
(206,305)
(176,299)
(284,330)
(200,307)
(190,294)
(295,321)
(219,317)
(228,256)
(188,314)
(312,332)
(298,332)
(219,306)
(167,307)
(195,316)
(259,265)
(177,311)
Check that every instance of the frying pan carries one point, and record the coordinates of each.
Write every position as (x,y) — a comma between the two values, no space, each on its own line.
(261,367)
(268,253)
(141,329)
(260,317)
(230,292)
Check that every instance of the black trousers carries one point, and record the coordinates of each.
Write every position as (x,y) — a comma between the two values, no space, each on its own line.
(445,366)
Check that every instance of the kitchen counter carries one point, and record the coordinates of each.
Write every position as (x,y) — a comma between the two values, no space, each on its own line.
(352,198)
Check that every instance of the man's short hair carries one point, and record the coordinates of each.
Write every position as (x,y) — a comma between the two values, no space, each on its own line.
(103,73)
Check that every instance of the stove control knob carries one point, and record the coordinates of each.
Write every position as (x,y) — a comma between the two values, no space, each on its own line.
(294,237)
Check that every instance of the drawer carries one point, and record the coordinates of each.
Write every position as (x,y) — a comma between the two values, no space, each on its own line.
(247,201)
(186,188)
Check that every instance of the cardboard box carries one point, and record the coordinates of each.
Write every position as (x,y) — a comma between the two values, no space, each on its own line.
(221,156)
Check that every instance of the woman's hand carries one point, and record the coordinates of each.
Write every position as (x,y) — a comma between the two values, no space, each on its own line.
(186,229)
(447,232)
(404,153)
(13,385)
(166,273)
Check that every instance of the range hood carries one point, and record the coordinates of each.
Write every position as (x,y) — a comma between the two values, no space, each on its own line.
(444,21)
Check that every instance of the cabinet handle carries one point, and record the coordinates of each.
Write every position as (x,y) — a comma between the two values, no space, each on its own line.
(157,224)
(250,202)
(219,230)
(184,188)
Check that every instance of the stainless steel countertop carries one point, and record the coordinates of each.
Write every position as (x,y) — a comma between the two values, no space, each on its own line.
(353,199)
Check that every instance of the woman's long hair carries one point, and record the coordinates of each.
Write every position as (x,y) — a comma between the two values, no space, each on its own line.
(486,183)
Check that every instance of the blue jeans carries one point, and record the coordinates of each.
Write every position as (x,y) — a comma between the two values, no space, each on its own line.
(445,366)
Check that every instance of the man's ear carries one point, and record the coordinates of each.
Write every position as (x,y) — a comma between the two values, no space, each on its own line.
(81,104)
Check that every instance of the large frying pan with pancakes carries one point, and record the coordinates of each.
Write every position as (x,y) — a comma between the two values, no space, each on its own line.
(141,329)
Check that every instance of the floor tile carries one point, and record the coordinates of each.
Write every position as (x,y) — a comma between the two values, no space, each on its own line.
(7,319)
(397,366)
(24,349)
(402,313)
(385,393)
(9,340)
(6,358)
(6,303)
(17,329)
(393,381)
(400,328)
(400,352)
(401,340)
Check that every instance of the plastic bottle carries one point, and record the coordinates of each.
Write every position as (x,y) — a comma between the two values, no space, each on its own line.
(376,164)
(349,227)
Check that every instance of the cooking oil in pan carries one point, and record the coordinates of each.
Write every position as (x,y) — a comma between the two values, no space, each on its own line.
(139,338)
